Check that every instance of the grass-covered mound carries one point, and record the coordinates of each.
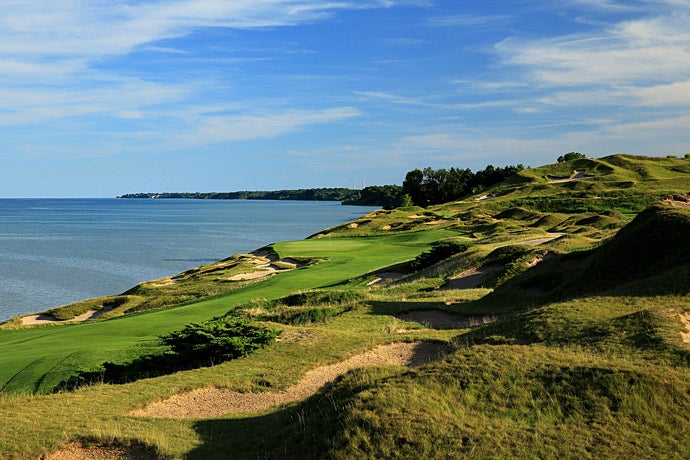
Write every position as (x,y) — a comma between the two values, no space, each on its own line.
(501,402)
(650,256)
(655,242)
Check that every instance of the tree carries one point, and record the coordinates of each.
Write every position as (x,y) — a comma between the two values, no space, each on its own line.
(570,156)
(434,186)
(412,185)
(406,201)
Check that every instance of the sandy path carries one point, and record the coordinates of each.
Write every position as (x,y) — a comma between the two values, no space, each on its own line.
(577,175)
(534,242)
(216,402)
(685,319)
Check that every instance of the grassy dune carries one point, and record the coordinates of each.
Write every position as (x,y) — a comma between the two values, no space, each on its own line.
(567,334)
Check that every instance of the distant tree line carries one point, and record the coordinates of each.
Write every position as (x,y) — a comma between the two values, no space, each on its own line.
(311,194)
(386,196)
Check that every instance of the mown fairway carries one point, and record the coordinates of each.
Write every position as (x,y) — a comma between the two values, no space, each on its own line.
(36,360)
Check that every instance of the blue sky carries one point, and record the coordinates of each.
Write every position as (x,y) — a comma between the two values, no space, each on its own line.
(101,98)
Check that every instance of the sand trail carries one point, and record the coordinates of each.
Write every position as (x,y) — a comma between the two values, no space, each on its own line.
(216,402)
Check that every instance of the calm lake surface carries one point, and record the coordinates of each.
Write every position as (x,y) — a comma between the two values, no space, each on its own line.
(58,251)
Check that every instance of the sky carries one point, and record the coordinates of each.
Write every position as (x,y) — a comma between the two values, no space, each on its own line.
(100,98)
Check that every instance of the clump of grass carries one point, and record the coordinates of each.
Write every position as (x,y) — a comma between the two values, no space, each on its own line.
(301,308)
(297,316)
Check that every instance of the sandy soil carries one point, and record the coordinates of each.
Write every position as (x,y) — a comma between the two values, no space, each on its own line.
(78,452)
(577,175)
(679,204)
(470,279)
(216,402)
(685,318)
(388,276)
(534,242)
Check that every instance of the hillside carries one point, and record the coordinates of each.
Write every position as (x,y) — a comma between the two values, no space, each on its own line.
(545,317)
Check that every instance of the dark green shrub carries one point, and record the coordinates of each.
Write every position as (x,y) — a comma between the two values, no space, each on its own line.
(440,251)
(507,254)
(218,340)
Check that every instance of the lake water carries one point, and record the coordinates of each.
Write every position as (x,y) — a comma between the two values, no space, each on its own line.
(58,251)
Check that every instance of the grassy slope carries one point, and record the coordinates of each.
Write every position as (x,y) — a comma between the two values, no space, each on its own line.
(560,373)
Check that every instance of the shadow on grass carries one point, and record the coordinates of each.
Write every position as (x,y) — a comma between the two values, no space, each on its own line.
(309,429)
(141,368)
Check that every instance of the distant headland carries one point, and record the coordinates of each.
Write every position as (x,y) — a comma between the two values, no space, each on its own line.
(386,196)
(311,194)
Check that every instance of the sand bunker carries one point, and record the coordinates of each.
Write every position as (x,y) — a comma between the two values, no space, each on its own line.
(255,274)
(32,320)
(265,269)
(472,278)
(216,402)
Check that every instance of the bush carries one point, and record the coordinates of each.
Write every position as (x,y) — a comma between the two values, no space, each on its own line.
(508,254)
(197,345)
(440,251)
(570,156)
(218,340)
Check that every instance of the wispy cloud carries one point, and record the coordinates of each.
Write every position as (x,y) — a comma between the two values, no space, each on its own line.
(52,54)
(467,20)
(232,128)
(428,101)
(638,51)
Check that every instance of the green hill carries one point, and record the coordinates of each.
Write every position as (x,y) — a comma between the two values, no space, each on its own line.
(545,317)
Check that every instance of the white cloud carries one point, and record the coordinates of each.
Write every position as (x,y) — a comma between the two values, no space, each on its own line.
(655,49)
(121,98)
(467,20)
(677,94)
(233,128)
(461,146)
(52,53)
(95,28)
